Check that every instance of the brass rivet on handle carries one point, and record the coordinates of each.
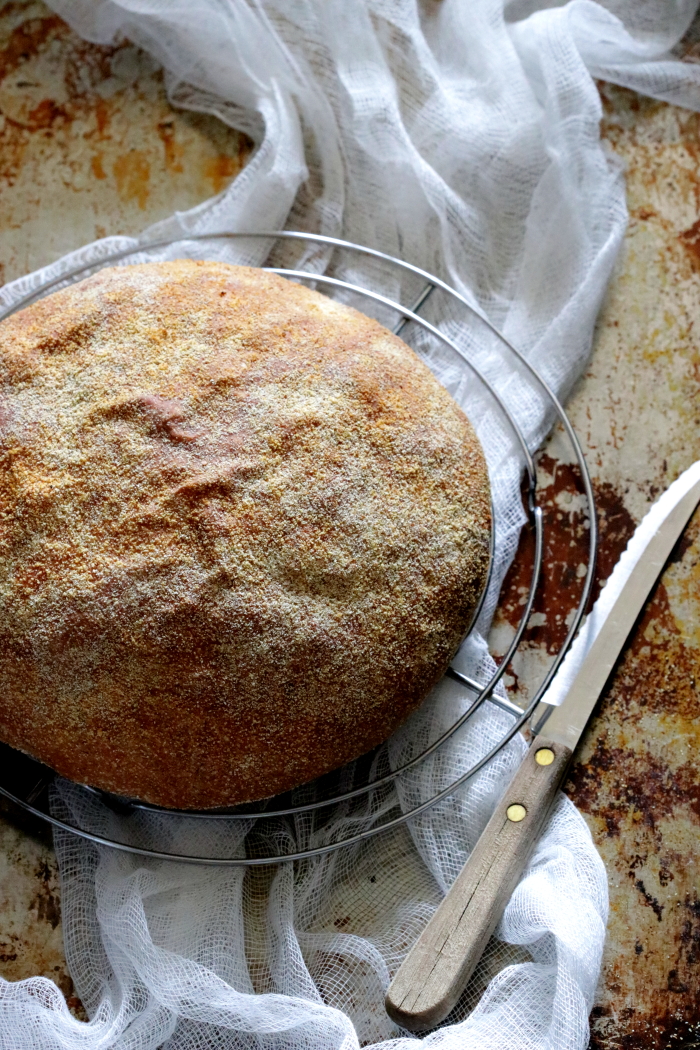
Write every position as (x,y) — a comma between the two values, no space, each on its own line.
(516,812)
(544,757)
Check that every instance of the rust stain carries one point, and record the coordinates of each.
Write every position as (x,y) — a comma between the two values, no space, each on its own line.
(690,239)
(70,112)
(46,903)
(132,172)
(633,1029)
(13,146)
(96,164)
(27,39)
(566,530)
(648,899)
(622,784)
(32,39)
(643,214)
(220,169)
(616,526)
(30,938)
(101,116)
(173,150)
(566,543)
(45,114)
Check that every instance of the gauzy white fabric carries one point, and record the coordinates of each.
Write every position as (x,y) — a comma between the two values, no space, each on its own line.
(463,136)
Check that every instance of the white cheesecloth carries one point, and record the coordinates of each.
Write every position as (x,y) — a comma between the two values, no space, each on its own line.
(462,136)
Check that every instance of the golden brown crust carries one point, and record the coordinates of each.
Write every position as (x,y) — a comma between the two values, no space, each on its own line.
(242,531)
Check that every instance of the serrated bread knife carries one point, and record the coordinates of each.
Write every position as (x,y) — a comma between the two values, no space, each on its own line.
(436,970)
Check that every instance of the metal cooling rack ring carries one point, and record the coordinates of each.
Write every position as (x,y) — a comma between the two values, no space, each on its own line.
(484,692)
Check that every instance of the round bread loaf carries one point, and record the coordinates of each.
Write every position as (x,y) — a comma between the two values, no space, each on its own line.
(242,531)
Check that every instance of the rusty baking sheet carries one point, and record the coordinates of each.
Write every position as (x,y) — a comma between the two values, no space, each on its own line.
(636,775)
(89,146)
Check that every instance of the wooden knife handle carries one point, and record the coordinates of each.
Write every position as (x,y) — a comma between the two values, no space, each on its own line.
(436,970)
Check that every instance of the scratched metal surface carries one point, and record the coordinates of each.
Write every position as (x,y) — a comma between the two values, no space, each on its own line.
(636,776)
(89,146)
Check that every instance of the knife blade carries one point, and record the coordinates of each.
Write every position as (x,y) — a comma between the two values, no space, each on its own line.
(437,968)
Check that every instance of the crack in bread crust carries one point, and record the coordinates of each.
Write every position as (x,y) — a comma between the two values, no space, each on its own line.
(242,531)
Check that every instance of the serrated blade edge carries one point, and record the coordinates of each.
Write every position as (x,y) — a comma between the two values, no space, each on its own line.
(608,626)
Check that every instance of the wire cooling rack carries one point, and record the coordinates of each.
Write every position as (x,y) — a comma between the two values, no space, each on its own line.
(437,322)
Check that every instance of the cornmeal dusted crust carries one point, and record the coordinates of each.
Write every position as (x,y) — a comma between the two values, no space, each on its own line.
(242,531)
